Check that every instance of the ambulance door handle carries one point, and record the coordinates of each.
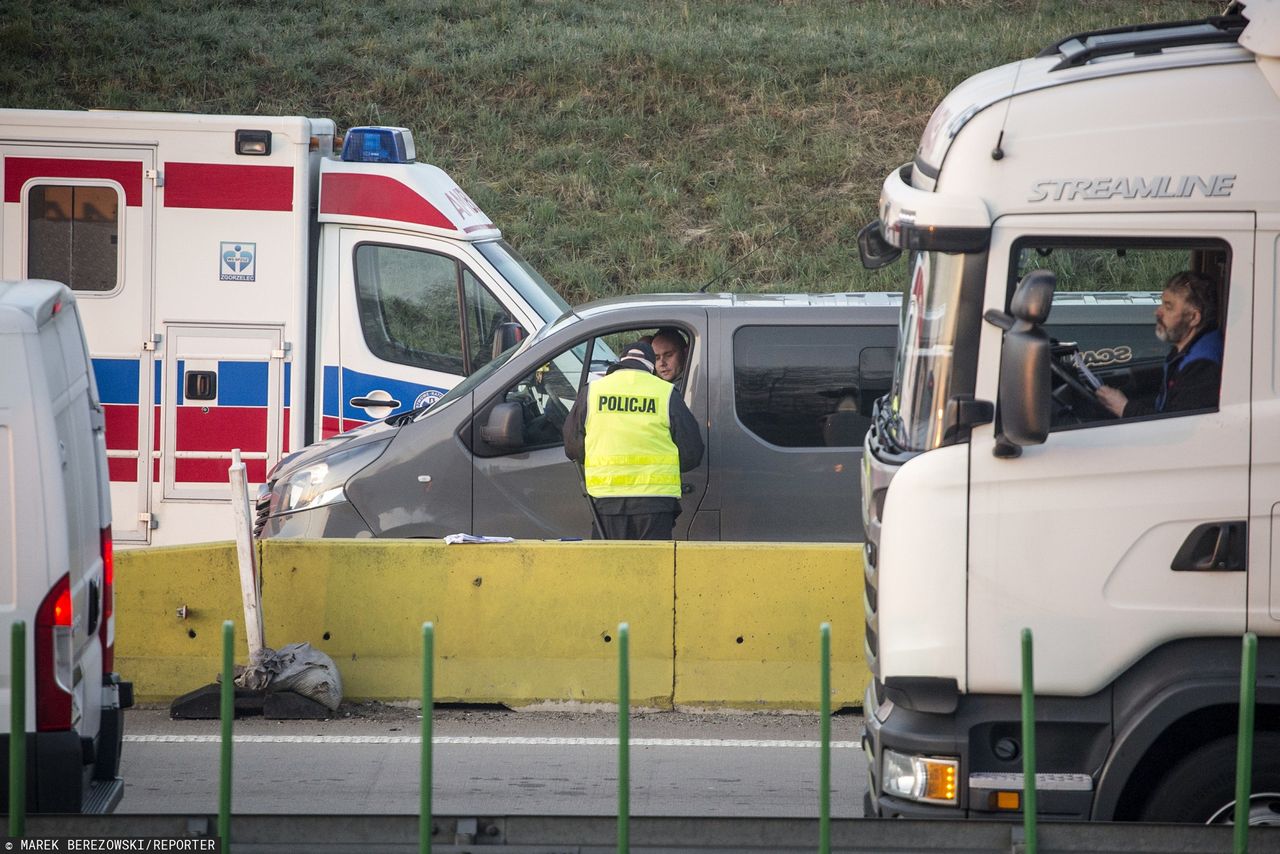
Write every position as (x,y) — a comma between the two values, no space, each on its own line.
(366,402)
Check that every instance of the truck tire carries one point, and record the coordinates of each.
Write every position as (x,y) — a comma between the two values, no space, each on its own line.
(1201,788)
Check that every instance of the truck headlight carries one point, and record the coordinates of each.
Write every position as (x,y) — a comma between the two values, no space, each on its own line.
(927,779)
(322,482)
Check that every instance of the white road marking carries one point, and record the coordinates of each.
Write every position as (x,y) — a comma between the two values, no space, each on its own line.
(471,739)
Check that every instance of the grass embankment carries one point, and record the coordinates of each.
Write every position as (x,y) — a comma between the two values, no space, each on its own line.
(623,146)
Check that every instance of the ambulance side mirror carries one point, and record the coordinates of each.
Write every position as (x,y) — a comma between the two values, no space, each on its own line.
(506,336)
(1025,405)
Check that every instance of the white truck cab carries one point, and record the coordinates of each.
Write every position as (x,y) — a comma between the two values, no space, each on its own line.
(245,283)
(1139,548)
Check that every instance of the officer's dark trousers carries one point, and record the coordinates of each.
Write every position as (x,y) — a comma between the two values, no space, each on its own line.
(636,526)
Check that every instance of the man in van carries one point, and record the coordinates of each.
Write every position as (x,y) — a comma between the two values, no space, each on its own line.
(1187,319)
(670,351)
(633,434)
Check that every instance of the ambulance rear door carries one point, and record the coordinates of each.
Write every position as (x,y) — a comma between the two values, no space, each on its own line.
(83,215)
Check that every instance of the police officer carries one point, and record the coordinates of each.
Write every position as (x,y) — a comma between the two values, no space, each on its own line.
(633,434)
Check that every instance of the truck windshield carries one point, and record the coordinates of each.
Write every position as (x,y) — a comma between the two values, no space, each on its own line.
(923,374)
(527,281)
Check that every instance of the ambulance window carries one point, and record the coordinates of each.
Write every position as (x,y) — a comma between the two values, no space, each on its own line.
(484,315)
(408,306)
(73,236)
(1104,310)
(810,386)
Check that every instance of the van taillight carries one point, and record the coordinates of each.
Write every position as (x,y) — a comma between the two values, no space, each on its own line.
(53,659)
(107,629)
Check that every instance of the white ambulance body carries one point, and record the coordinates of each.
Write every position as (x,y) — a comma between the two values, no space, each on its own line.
(243,286)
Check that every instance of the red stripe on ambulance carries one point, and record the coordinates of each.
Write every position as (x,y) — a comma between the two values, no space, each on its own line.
(219,186)
(377,197)
(126,173)
(222,428)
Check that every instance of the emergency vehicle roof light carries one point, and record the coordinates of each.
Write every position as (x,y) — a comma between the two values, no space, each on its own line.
(378,145)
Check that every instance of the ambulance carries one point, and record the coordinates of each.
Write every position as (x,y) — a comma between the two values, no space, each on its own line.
(248,282)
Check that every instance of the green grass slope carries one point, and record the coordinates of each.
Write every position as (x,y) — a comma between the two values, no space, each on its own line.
(623,146)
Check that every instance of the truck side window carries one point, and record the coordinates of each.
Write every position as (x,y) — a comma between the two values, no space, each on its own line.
(1104,317)
(73,236)
(809,386)
(411,305)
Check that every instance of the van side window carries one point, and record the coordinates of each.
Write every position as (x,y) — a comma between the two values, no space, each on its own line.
(1104,316)
(810,386)
(73,236)
(410,304)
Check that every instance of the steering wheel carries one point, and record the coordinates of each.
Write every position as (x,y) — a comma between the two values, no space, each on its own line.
(1073,381)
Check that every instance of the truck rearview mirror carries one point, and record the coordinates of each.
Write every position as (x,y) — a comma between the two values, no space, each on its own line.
(875,251)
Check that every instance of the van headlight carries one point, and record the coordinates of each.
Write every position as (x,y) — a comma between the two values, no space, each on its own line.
(927,779)
(322,482)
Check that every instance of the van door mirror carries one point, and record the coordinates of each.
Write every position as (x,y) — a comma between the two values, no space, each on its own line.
(506,336)
(1025,375)
(505,427)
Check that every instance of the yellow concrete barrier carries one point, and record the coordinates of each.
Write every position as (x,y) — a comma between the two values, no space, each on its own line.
(712,625)
(748,618)
(163,653)
(515,623)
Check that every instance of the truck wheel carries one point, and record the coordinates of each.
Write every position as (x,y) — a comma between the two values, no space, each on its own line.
(1202,787)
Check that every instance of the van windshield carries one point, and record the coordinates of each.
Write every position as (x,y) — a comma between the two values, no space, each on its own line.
(481,374)
(464,388)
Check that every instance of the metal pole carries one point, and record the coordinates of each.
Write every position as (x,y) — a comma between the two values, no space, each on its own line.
(228,708)
(1244,742)
(824,772)
(428,709)
(624,743)
(1028,746)
(246,557)
(18,729)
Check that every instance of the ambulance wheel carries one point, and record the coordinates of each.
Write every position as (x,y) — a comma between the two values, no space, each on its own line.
(1201,789)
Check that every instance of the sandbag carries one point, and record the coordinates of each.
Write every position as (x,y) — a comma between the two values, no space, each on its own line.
(299,668)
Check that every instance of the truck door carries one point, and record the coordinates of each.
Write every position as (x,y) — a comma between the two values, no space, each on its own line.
(414,317)
(224,388)
(83,215)
(1113,520)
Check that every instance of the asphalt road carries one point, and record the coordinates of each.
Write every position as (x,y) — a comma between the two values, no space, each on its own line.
(496,762)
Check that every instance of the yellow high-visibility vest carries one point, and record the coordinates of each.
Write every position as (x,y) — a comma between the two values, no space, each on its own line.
(629,451)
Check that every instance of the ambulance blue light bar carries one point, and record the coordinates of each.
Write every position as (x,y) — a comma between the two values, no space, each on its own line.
(378,145)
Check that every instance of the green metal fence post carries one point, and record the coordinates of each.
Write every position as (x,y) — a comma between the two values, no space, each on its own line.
(18,729)
(1244,742)
(1028,746)
(624,742)
(428,710)
(228,710)
(824,766)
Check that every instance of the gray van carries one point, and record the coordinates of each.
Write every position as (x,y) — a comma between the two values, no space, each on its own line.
(783,385)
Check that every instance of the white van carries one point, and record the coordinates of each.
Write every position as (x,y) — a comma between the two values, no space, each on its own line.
(55,555)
